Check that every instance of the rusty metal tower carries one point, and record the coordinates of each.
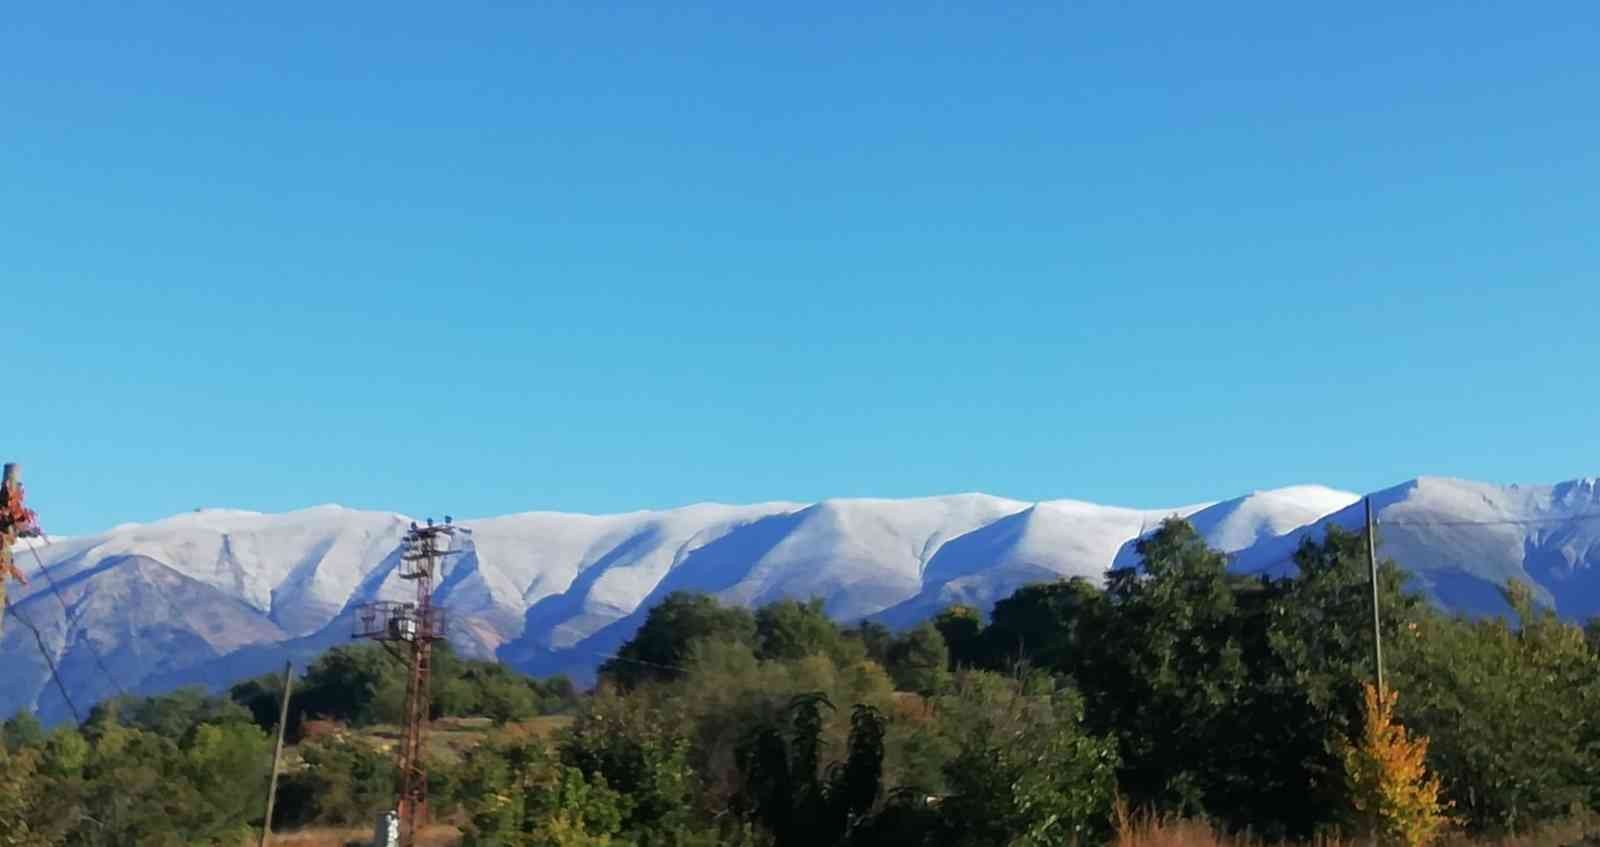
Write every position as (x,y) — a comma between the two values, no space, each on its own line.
(412,627)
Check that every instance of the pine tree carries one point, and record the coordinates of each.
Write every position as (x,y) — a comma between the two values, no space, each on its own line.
(1392,795)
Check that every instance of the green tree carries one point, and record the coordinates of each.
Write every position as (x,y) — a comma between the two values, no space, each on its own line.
(21,786)
(919,660)
(259,696)
(21,730)
(228,766)
(961,626)
(874,638)
(1308,641)
(137,788)
(517,793)
(662,644)
(790,629)
(1041,625)
(173,714)
(788,791)
(343,781)
(1025,772)
(631,746)
(1508,711)
(354,684)
(1167,672)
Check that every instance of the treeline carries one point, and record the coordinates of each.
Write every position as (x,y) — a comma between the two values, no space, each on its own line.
(1180,689)
(188,768)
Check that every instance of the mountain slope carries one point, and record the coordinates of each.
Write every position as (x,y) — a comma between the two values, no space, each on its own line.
(213,596)
(1462,540)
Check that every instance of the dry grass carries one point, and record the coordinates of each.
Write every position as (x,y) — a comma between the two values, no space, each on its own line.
(433,836)
(1139,829)
(1571,832)
(1143,829)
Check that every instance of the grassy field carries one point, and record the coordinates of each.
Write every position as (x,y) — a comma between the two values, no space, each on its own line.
(448,739)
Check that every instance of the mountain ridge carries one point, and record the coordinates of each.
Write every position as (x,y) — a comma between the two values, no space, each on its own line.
(216,594)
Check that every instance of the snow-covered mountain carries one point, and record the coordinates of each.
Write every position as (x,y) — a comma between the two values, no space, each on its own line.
(1463,540)
(214,596)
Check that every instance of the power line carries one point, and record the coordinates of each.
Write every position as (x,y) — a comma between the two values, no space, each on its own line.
(1383,522)
(50,662)
(66,613)
(677,668)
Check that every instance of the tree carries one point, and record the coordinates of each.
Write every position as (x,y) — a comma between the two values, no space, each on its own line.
(21,730)
(875,639)
(961,627)
(20,788)
(517,793)
(1025,772)
(343,782)
(790,629)
(1041,625)
(1508,711)
(633,748)
(919,660)
(663,642)
(171,715)
(259,696)
(792,796)
(1167,673)
(1392,795)
(353,684)
(1307,641)
(228,765)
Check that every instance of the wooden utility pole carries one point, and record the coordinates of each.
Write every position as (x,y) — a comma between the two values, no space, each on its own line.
(16,521)
(1372,567)
(277,753)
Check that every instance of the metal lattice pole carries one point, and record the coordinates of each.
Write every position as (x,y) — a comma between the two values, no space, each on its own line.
(418,624)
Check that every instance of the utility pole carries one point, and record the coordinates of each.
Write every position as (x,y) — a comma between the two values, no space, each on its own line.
(416,625)
(1372,567)
(277,754)
(16,521)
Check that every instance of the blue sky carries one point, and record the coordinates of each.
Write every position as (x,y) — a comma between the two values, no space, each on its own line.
(593,257)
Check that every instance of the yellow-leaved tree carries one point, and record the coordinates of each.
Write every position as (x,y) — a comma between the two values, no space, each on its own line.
(1392,795)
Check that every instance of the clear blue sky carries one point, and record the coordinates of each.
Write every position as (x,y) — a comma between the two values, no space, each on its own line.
(454,257)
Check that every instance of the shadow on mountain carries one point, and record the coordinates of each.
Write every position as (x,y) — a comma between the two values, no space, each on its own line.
(189,623)
(718,566)
(1463,592)
(550,612)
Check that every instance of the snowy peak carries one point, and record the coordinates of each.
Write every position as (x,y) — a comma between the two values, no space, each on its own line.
(1463,540)
(1237,524)
(213,595)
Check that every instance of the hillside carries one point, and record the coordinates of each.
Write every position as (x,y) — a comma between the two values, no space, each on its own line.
(218,595)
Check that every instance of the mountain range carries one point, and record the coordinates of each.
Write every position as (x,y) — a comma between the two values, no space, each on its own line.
(217,595)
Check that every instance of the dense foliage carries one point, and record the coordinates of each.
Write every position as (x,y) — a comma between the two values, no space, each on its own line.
(363,684)
(1178,687)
